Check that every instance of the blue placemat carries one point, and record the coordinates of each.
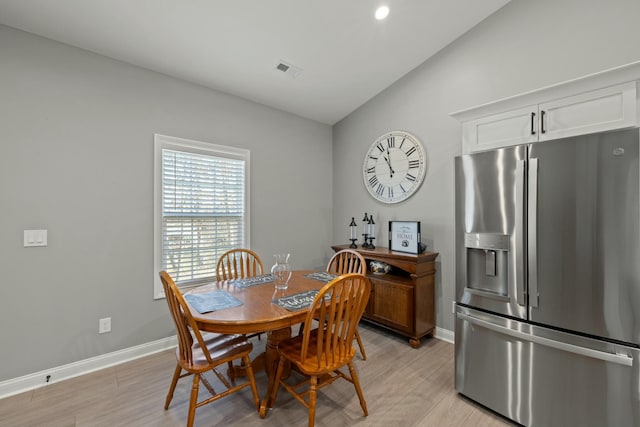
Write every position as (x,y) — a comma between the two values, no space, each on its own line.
(212,301)
(322,276)
(299,301)
(251,281)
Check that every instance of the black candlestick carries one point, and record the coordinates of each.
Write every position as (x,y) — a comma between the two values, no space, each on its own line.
(370,245)
(353,233)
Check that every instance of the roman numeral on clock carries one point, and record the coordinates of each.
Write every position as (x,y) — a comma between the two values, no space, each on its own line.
(414,164)
(391,141)
(411,151)
(373,180)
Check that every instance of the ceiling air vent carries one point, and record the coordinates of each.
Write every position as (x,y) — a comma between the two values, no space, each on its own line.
(289,69)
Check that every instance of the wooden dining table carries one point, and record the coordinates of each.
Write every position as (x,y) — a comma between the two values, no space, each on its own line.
(257,314)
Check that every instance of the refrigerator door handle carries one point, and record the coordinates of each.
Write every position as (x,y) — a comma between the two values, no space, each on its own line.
(519,234)
(532,223)
(621,359)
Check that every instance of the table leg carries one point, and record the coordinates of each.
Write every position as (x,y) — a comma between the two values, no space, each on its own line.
(271,350)
(271,364)
(267,360)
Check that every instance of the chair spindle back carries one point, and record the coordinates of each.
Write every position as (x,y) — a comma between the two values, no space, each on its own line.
(347,261)
(346,299)
(238,264)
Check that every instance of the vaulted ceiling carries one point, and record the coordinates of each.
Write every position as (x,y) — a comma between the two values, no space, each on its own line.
(342,55)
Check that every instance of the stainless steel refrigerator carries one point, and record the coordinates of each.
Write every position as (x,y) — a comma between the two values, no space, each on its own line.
(548,280)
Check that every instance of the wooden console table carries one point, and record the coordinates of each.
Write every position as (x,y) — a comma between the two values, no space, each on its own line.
(403,299)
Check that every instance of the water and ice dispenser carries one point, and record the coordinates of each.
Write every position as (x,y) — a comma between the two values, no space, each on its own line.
(487,264)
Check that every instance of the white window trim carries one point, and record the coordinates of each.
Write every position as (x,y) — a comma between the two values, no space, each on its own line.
(172,143)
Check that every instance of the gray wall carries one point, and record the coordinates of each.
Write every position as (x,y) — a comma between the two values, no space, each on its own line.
(76,139)
(524,46)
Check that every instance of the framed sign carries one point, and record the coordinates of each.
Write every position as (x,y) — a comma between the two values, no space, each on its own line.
(404,236)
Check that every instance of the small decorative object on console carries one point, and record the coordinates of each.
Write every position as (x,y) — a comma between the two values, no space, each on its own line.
(371,226)
(353,233)
(365,229)
(379,267)
(404,236)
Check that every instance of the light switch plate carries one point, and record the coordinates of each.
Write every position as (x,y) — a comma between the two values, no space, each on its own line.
(35,238)
(104,325)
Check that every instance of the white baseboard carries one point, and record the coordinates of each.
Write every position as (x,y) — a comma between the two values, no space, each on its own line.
(60,373)
(65,372)
(445,335)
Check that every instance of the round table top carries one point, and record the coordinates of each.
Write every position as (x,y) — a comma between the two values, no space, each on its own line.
(257,313)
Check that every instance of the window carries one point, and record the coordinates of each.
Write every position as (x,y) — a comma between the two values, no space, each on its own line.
(201,208)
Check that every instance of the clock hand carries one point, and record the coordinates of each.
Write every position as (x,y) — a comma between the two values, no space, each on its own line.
(389,163)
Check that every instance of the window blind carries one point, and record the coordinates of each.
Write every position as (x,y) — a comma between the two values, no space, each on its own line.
(203,203)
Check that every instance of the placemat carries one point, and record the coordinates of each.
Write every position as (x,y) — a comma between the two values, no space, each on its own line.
(322,276)
(298,301)
(252,281)
(212,301)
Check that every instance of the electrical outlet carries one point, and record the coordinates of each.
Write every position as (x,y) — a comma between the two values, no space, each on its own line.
(104,325)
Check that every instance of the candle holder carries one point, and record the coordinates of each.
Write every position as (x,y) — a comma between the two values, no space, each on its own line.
(372,232)
(365,228)
(370,244)
(353,233)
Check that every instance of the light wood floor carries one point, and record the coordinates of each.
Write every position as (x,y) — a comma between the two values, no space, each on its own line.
(402,386)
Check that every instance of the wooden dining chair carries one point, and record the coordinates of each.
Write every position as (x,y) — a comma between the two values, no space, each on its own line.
(349,261)
(238,264)
(320,353)
(198,356)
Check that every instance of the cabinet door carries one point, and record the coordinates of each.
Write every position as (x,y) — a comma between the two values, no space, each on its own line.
(501,130)
(610,108)
(392,304)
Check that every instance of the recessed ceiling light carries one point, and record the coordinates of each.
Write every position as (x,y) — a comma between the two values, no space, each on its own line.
(382,12)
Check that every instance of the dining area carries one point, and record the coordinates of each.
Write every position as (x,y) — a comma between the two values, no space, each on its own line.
(215,321)
(242,354)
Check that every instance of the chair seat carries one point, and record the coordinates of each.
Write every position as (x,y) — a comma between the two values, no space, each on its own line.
(291,350)
(221,347)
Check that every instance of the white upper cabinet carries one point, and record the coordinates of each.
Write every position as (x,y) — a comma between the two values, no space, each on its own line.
(559,111)
(599,110)
(501,130)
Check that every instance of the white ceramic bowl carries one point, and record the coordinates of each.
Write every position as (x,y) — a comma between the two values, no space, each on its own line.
(379,267)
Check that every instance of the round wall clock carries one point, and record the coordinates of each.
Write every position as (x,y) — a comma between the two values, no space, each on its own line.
(394,167)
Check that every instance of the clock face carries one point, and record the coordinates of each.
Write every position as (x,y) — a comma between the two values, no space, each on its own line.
(394,167)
